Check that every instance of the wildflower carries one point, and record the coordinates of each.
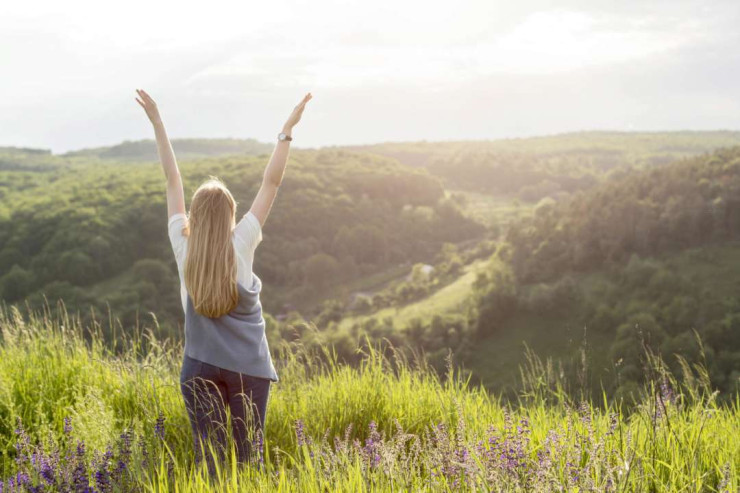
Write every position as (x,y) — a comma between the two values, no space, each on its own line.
(612,424)
(23,442)
(79,475)
(666,392)
(159,426)
(46,470)
(102,476)
(300,432)
(372,445)
(144,452)
(258,445)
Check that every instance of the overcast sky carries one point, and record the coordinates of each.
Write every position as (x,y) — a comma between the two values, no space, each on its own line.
(379,70)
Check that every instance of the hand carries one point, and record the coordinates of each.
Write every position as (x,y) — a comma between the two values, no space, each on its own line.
(295,117)
(149,106)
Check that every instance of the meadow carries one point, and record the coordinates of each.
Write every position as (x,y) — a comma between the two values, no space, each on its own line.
(79,412)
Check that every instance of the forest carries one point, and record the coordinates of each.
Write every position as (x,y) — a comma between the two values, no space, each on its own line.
(587,246)
(93,232)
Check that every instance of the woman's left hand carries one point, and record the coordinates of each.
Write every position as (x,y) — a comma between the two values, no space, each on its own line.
(150,107)
(295,117)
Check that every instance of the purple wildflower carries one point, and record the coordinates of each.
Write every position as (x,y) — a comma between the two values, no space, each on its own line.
(46,470)
(300,432)
(372,445)
(144,452)
(666,392)
(159,426)
(102,476)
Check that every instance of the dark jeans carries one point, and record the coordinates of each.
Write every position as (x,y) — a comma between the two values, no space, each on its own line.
(207,390)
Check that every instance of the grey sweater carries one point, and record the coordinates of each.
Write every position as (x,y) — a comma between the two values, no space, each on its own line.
(235,341)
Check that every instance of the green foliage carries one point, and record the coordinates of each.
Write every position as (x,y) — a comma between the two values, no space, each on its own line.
(146,150)
(538,167)
(663,303)
(95,223)
(645,213)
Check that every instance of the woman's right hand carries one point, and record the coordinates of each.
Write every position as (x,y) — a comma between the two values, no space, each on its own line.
(150,107)
(295,117)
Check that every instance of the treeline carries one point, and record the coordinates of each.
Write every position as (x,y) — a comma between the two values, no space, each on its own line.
(690,203)
(97,235)
(146,150)
(26,159)
(533,168)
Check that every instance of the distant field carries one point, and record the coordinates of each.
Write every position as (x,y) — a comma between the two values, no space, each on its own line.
(493,211)
(451,298)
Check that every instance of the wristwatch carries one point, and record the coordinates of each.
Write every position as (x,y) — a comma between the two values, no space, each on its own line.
(284,136)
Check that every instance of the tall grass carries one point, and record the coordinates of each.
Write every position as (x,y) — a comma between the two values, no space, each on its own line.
(79,412)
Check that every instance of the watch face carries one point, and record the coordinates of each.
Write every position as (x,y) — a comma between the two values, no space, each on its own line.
(281,136)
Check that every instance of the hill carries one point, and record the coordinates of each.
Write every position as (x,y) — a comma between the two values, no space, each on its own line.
(557,165)
(96,235)
(185,149)
(344,251)
(647,259)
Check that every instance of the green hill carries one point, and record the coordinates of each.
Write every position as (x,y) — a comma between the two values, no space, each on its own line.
(537,167)
(96,235)
(353,227)
(646,259)
(146,150)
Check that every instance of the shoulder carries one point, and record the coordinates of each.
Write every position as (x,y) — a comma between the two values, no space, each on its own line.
(175,225)
(176,218)
(249,229)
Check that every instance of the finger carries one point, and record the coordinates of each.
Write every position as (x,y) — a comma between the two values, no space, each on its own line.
(140,103)
(147,96)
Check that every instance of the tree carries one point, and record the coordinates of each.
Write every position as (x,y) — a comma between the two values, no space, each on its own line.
(17,283)
(320,269)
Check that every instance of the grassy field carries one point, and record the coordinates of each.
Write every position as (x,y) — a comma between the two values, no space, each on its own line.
(74,415)
(492,211)
(450,298)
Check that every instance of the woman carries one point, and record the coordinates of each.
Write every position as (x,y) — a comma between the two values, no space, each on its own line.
(226,361)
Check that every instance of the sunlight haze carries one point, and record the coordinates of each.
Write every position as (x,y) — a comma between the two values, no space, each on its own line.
(379,71)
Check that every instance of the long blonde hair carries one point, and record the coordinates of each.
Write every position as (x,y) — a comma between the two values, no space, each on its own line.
(210,263)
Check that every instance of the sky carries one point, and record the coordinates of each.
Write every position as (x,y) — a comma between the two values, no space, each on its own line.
(379,71)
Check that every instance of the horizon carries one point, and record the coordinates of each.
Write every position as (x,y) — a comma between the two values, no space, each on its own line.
(439,141)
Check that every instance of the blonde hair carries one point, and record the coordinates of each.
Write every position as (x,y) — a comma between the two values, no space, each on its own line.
(210,263)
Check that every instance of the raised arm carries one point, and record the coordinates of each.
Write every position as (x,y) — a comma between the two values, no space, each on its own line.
(275,169)
(175,193)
